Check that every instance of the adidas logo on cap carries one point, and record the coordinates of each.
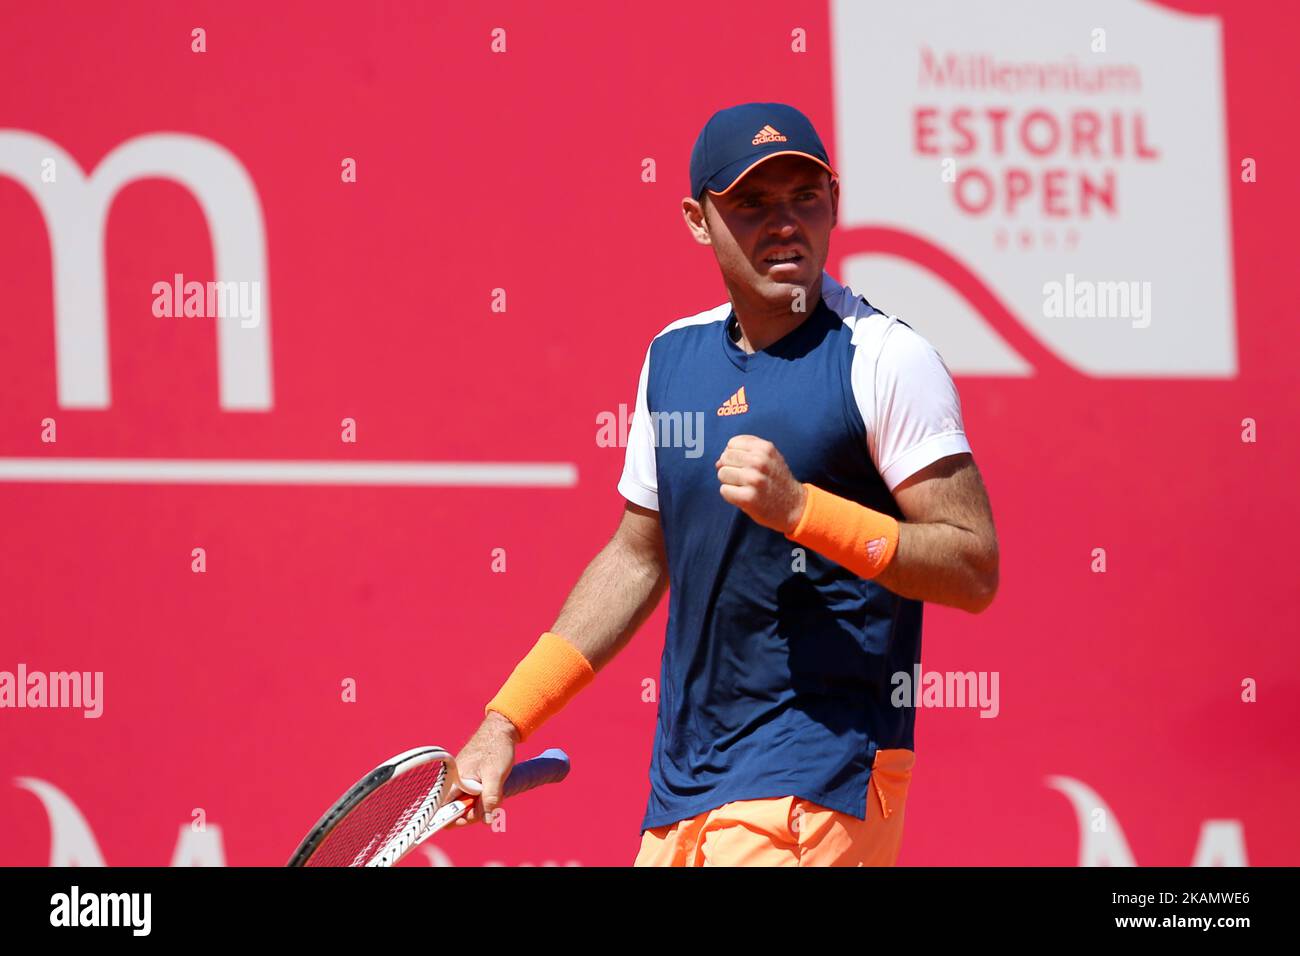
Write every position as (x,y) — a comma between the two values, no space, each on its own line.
(768,135)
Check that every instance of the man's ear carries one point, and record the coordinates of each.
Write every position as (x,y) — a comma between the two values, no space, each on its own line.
(697,220)
(835,202)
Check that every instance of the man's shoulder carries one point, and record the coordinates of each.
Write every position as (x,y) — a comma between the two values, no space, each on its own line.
(685,335)
(868,326)
(717,313)
(878,337)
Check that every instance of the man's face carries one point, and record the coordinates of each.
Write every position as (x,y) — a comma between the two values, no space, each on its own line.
(771,231)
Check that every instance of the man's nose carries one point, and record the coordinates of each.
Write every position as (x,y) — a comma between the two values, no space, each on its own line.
(782,220)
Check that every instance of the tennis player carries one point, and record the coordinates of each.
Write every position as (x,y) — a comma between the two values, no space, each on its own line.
(833,493)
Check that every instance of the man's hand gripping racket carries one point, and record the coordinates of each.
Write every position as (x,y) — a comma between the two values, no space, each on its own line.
(403,802)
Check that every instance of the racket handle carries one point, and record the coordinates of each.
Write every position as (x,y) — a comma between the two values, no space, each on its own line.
(550,767)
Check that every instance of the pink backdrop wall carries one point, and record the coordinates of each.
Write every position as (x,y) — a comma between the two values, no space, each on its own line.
(523,171)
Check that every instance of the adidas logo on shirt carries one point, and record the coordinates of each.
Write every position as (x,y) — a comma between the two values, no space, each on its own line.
(736,405)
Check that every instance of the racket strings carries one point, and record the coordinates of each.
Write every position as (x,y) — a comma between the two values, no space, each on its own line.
(402,805)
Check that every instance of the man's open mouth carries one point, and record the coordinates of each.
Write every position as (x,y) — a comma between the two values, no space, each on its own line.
(780,257)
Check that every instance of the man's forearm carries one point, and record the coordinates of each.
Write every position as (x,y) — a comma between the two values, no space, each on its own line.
(943,564)
(613,597)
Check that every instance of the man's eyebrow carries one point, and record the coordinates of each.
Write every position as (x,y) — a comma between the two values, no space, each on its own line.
(746,192)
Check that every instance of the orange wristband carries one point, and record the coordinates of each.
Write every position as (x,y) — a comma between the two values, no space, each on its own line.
(541,684)
(862,540)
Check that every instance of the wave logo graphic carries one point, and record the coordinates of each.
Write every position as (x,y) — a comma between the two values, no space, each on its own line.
(994,149)
(1102,841)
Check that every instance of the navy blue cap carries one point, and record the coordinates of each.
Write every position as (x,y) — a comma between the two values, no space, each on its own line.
(737,139)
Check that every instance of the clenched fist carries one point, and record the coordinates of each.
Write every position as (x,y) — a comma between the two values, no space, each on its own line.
(755,478)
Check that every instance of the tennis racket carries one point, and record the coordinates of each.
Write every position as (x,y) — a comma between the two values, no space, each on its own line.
(396,807)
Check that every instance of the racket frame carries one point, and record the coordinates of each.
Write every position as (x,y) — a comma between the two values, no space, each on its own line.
(552,766)
(385,773)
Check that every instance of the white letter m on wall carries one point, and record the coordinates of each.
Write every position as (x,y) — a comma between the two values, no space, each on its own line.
(75,208)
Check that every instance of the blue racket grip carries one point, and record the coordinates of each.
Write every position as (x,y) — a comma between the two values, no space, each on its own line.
(550,767)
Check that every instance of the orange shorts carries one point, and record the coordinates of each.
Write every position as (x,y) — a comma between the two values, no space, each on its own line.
(789,831)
